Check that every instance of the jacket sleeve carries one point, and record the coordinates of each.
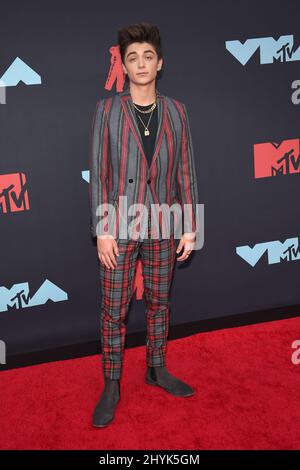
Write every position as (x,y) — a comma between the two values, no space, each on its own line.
(187,177)
(99,167)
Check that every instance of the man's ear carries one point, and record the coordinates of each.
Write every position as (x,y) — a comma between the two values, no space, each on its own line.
(124,68)
(160,64)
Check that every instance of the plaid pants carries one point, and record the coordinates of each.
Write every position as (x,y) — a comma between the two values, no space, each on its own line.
(158,260)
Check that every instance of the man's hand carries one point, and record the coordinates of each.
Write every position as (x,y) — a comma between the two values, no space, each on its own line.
(107,249)
(187,242)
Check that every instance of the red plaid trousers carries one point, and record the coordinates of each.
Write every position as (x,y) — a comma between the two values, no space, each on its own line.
(158,260)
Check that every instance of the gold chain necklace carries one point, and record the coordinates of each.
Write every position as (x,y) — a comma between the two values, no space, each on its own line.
(146,130)
(150,110)
(147,110)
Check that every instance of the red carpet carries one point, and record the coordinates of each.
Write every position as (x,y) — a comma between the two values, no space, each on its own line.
(247,397)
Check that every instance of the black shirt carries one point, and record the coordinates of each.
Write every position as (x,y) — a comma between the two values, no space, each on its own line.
(148,140)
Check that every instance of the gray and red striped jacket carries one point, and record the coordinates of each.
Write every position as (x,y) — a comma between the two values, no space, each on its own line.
(120,174)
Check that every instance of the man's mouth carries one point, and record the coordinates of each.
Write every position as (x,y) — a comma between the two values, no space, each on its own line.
(142,73)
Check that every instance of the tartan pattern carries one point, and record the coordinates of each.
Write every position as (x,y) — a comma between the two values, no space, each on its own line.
(119,167)
(158,260)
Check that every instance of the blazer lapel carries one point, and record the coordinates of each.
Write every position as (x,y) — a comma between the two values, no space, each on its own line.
(129,111)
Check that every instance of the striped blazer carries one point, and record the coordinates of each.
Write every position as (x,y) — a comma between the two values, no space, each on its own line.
(119,167)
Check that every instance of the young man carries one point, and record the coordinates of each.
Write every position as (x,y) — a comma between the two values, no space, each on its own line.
(141,154)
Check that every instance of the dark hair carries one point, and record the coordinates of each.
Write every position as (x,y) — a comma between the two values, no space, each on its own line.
(139,32)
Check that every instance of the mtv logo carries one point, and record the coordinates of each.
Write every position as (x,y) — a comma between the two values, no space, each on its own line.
(282,49)
(19,71)
(85,175)
(273,159)
(276,251)
(13,193)
(18,296)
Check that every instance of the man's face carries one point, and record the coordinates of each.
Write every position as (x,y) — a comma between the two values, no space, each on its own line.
(141,57)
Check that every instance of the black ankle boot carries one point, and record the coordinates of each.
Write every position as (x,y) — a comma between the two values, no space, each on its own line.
(105,408)
(161,377)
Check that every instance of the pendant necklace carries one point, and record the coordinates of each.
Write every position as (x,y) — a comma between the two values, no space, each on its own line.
(150,110)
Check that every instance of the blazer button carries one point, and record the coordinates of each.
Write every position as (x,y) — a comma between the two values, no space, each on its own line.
(130,180)
(149,181)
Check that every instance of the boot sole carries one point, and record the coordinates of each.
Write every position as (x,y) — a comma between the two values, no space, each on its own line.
(102,425)
(151,382)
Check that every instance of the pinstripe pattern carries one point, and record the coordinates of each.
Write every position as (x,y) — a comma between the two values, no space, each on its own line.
(119,167)
(158,259)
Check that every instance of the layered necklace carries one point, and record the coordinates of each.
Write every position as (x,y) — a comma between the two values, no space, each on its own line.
(150,110)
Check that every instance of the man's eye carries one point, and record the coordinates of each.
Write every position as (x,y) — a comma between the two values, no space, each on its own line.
(148,57)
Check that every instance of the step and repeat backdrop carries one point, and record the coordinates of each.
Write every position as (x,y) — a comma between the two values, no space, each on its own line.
(236,66)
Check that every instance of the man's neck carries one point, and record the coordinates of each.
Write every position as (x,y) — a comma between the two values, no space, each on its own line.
(143,95)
